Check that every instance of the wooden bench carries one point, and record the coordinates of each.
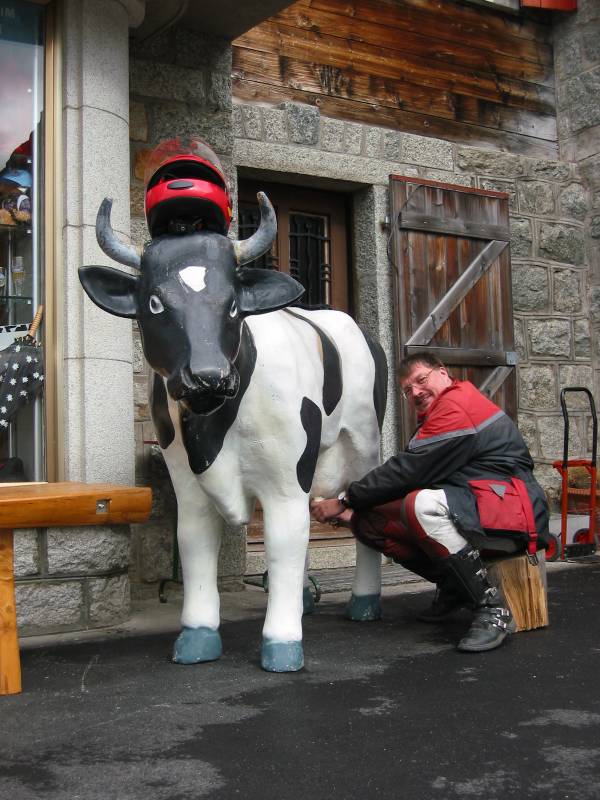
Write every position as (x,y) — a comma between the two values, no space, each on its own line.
(33,505)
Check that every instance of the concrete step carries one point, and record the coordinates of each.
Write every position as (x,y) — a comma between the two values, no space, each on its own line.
(340,579)
(324,554)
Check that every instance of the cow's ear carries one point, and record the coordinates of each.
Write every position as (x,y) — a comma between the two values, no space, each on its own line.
(112,290)
(265,290)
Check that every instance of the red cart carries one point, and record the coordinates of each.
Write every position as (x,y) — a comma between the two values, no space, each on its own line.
(584,540)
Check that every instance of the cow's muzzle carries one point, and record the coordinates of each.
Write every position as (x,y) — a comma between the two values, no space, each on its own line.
(204,392)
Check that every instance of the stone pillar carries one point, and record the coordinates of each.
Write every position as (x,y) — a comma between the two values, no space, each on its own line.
(375,291)
(97,355)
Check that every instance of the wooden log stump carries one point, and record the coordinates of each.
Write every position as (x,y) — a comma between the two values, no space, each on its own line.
(524,588)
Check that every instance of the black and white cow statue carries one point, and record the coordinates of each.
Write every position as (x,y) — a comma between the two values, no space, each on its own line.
(250,400)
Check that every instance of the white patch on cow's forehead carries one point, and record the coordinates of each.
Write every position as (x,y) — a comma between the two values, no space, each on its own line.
(194,277)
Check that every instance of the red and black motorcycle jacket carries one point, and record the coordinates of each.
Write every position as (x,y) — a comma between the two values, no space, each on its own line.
(463,437)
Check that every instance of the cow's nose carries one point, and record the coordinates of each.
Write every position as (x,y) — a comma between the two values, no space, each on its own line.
(209,380)
(216,381)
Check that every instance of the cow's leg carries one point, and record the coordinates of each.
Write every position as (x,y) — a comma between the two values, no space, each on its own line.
(199,532)
(308,601)
(365,601)
(286,538)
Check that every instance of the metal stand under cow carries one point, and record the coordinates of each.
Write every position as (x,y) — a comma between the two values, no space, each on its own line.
(247,404)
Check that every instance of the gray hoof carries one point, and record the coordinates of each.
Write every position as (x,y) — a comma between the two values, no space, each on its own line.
(364,607)
(281,656)
(194,645)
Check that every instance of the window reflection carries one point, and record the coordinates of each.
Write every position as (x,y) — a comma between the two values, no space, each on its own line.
(21,100)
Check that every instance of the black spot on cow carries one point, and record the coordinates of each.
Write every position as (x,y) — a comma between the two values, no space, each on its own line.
(310,416)
(381,377)
(332,367)
(159,408)
(203,435)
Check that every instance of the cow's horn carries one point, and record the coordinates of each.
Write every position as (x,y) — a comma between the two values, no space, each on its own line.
(109,243)
(248,249)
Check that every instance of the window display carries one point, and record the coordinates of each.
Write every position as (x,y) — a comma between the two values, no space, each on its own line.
(21,275)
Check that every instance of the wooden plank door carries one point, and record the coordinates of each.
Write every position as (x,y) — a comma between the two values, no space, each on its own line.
(453,292)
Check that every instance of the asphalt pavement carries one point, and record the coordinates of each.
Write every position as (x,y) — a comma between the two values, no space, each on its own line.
(386,709)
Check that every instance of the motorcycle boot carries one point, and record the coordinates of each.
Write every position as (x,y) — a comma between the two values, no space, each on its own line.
(466,575)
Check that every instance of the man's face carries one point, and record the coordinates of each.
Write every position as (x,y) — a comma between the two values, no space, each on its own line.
(424,384)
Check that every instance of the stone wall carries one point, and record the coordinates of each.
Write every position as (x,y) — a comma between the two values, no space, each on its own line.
(71,578)
(549,203)
(577,59)
(179,85)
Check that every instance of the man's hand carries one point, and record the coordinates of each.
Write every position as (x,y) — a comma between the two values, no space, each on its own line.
(325,510)
(332,511)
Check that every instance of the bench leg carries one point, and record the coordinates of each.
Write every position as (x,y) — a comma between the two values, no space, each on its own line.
(10,663)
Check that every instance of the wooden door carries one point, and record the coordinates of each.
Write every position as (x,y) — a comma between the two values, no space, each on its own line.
(311,243)
(453,284)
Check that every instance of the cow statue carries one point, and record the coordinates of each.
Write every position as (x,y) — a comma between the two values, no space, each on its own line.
(250,400)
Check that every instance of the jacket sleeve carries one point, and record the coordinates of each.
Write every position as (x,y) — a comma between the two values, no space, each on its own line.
(420,469)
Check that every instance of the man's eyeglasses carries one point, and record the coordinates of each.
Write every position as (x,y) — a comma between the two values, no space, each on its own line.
(421,381)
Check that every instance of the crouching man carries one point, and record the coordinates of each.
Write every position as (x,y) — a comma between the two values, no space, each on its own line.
(465,473)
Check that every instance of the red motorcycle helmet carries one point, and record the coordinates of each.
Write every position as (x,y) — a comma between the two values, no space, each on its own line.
(186,189)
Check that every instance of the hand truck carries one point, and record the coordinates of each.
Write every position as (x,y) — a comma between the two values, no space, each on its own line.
(584,541)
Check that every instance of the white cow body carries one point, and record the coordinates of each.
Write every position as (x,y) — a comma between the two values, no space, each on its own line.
(249,402)
(258,461)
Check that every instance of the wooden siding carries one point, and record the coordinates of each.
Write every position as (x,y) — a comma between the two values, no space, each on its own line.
(433,67)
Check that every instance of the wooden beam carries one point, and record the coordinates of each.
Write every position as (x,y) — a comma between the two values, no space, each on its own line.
(531,115)
(430,38)
(494,381)
(476,269)
(32,505)
(372,59)
(465,357)
(453,227)
(10,666)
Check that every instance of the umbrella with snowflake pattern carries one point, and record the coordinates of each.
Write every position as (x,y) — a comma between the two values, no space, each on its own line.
(21,373)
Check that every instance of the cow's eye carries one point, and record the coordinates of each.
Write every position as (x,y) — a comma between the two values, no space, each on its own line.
(156,307)
(233,311)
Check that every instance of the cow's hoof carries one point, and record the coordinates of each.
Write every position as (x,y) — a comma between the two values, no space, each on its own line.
(308,601)
(281,656)
(364,607)
(194,645)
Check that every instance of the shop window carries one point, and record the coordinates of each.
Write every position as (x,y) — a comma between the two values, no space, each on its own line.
(21,273)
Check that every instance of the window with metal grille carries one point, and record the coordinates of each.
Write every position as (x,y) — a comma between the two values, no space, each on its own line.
(309,256)
(311,239)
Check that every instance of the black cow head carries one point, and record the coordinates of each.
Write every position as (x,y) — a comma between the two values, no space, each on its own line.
(190,300)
